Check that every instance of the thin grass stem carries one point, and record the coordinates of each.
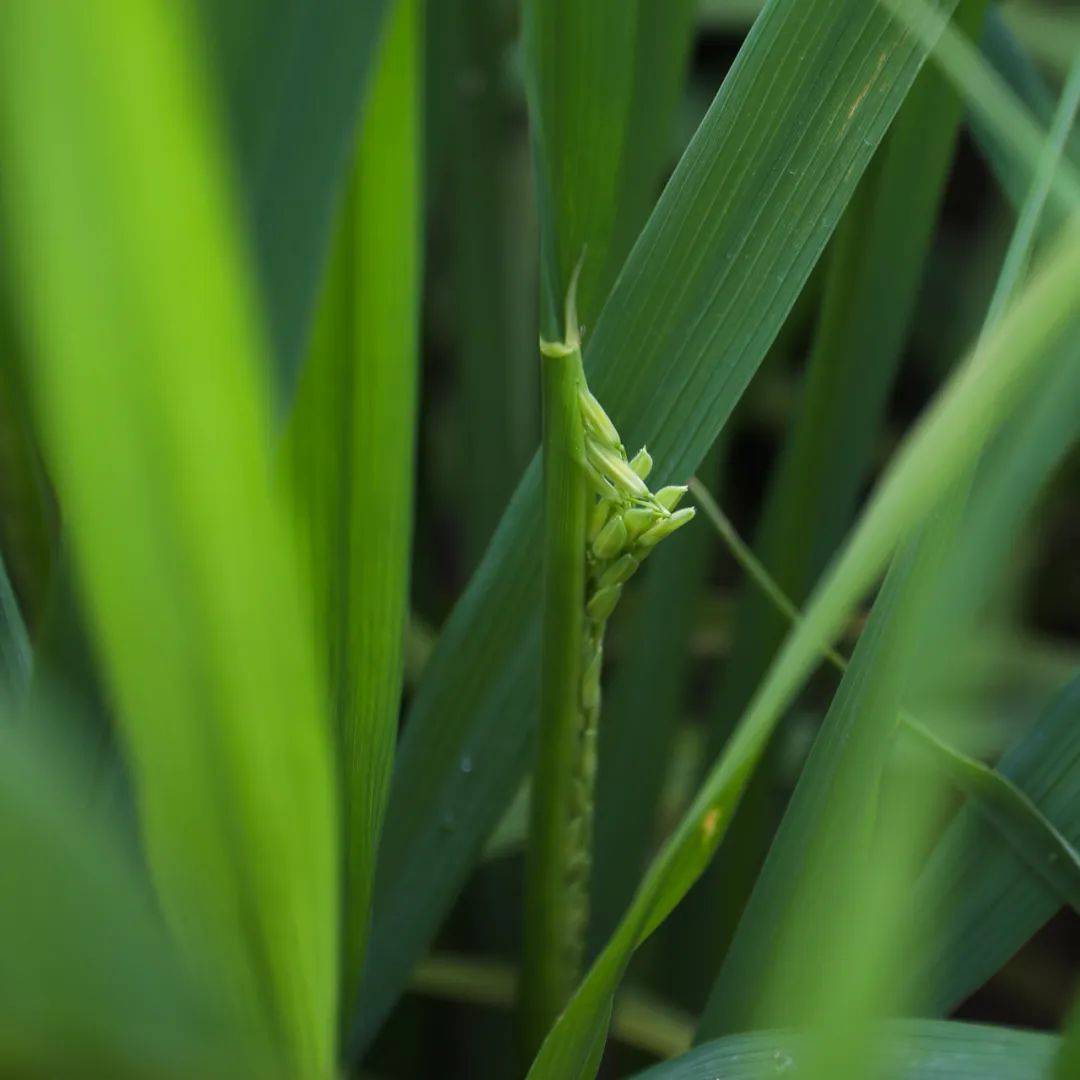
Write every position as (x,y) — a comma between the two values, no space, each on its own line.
(557,863)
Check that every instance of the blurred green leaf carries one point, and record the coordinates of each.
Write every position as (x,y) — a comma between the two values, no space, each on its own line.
(352,453)
(90,984)
(148,375)
(920,1050)
(294,75)
(701,298)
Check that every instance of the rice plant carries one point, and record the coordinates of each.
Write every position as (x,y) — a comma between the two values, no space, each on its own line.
(387,686)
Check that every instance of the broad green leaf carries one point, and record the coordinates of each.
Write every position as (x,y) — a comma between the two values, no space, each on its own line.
(701,297)
(352,453)
(982,900)
(156,420)
(936,455)
(603,80)
(919,1050)
(91,985)
(293,74)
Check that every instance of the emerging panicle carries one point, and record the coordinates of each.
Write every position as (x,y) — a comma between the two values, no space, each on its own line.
(599,510)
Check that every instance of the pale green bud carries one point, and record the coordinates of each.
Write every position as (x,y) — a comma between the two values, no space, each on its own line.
(602,603)
(615,469)
(619,571)
(641,463)
(669,497)
(597,421)
(598,516)
(611,539)
(638,519)
(665,527)
(601,484)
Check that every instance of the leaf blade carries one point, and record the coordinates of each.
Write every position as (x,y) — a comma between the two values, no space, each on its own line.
(157,427)
(352,451)
(294,77)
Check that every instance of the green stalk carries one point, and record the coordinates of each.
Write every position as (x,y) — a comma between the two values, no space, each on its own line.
(601,522)
(556,900)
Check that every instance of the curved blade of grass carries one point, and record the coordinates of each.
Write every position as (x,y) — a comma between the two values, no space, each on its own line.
(294,75)
(352,456)
(920,1050)
(1022,457)
(986,902)
(147,374)
(91,985)
(1030,834)
(701,297)
(603,80)
(759,944)
(938,452)
(800,913)
(874,273)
